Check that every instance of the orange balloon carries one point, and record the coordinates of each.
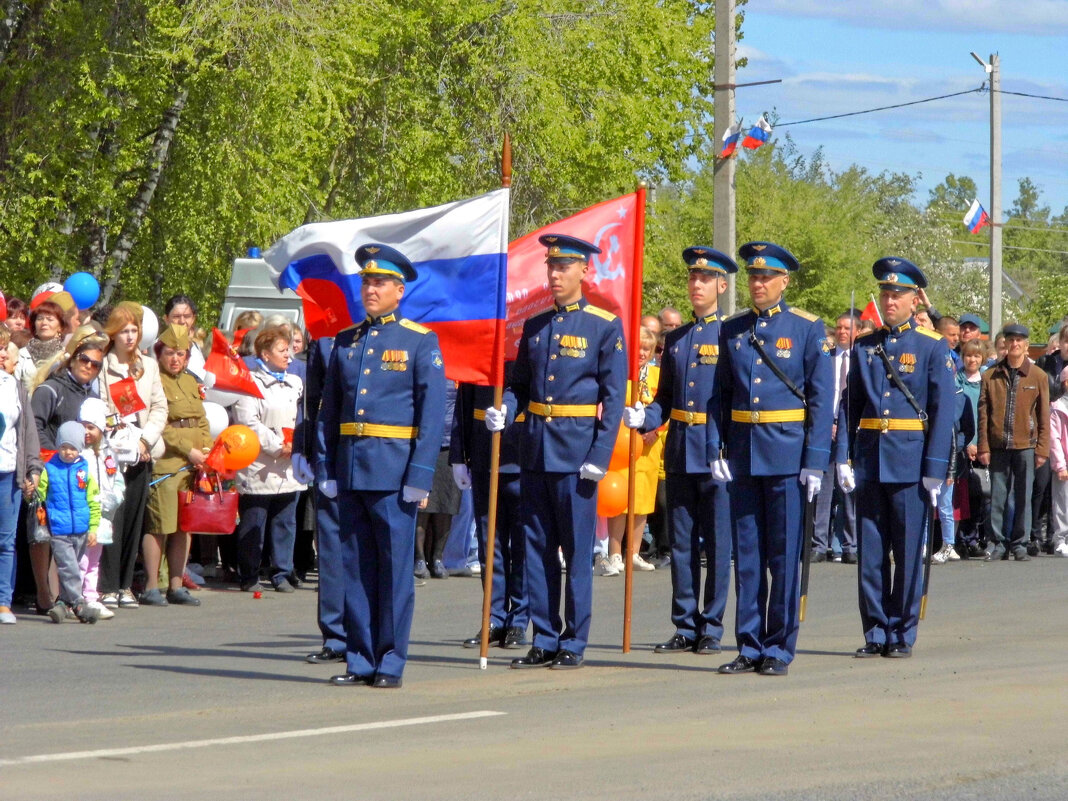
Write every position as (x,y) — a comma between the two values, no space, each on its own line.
(239,447)
(621,451)
(612,494)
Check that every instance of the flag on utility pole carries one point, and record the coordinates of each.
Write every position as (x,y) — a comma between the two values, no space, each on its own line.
(758,134)
(976,217)
(730,140)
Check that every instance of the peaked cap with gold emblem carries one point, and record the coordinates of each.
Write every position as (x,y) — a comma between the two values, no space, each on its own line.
(375,259)
(894,272)
(766,258)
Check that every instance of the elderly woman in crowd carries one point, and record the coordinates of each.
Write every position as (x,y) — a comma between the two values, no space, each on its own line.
(268,502)
(181,310)
(20,468)
(72,377)
(47,325)
(141,431)
(182,446)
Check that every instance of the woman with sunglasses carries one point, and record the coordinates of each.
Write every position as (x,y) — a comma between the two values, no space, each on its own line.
(67,381)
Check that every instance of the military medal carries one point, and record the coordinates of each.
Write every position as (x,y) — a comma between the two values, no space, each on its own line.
(783,346)
(395,360)
(708,354)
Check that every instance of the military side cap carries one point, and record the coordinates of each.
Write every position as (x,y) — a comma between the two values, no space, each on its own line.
(766,258)
(893,272)
(976,320)
(709,260)
(562,246)
(64,300)
(1016,330)
(377,259)
(175,337)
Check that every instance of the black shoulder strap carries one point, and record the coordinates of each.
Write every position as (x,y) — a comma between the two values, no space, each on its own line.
(892,373)
(779,374)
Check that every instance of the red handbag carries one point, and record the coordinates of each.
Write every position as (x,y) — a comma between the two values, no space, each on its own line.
(207,508)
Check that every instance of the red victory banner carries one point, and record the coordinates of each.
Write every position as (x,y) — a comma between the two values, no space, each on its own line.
(608,284)
(125,397)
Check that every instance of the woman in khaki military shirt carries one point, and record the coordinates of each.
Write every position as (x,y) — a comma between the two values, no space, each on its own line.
(184,443)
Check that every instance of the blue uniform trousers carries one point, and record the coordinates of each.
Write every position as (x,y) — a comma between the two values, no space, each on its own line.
(891,518)
(331,573)
(767,539)
(508,601)
(700,523)
(377,535)
(559,510)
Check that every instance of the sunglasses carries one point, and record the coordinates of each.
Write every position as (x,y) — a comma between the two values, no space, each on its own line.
(95,364)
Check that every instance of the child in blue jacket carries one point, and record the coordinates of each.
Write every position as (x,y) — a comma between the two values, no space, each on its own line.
(71,499)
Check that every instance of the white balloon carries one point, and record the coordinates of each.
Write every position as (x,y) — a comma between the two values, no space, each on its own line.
(149,329)
(218,419)
(222,397)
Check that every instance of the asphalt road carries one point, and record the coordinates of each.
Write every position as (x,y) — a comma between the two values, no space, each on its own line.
(217,702)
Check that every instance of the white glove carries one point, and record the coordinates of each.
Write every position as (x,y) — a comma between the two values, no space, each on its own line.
(634,416)
(302,470)
(846,479)
(591,472)
(461,475)
(812,480)
(495,418)
(933,485)
(721,471)
(328,488)
(414,494)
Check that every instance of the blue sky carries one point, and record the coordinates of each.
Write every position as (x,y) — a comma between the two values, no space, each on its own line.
(836,57)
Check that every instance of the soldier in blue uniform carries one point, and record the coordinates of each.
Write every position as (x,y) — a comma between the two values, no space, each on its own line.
(571,359)
(331,590)
(469,454)
(698,505)
(900,451)
(769,433)
(378,436)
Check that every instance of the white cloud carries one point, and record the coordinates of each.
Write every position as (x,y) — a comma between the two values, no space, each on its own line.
(1040,17)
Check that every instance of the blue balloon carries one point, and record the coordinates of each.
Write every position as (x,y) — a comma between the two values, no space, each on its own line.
(84,289)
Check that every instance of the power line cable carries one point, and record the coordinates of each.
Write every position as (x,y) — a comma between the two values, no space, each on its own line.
(881,108)
(1008,247)
(1037,97)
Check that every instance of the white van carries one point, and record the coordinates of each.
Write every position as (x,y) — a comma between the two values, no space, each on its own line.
(251,287)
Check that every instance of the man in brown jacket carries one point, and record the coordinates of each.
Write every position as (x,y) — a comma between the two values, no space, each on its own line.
(1013,440)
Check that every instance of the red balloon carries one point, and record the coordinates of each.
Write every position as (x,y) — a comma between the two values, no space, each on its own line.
(612,494)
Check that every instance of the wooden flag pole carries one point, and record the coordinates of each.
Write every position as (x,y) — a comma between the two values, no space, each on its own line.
(635,437)
(495,449)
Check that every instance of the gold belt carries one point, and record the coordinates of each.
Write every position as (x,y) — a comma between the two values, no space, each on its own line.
(885,424)
(693,418)
(770,416)
(377,430)
(480,414)
(562,409)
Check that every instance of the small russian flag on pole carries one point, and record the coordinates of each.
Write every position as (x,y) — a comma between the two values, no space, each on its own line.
(976,217)
(758,134)
(730,140)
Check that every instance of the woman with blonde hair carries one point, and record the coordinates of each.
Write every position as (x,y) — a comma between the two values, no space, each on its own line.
(140,431)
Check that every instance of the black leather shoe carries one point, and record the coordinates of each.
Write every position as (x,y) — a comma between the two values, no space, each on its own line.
(496,634)
(818,556)
(994,553)
(742,664)
(898,651)
(1033,549)
(421,571)
(677,643)
(324,656)
(384,682)
(535,658)
(870,649)
(1020,555)
(514,637)
(438,570)
(707,645)
(849,558)
(351,680)
(773,667)
(566,660)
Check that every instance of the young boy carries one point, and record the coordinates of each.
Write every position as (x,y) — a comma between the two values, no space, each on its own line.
(70,497)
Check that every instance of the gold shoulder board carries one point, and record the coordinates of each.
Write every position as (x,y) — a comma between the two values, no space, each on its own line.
(414,326)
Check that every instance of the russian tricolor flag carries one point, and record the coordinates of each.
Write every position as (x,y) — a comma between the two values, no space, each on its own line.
(758,134)
(730,140)
(976,217)
(460,251)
